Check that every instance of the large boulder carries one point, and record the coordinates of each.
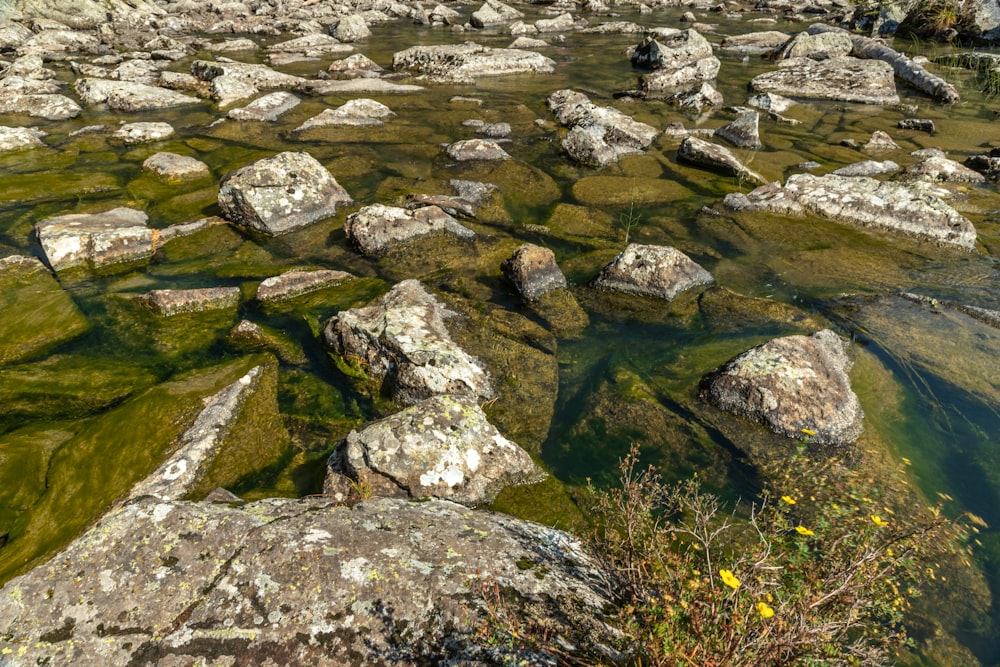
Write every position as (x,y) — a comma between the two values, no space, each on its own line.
(281,193)
(464,63)
(843,78)
(648,270)
(598,135)
(95,239)
(401,342)
(796,386)
(442,447)
(378,228)
(128,95)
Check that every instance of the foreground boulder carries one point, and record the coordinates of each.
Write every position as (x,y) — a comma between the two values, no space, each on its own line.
(442,447)
(844,78)
(796,386)
(911,209)
(279,194)
(464,63)
(598,135)
(377,228)
(401,339)
(648,270)
(95,239)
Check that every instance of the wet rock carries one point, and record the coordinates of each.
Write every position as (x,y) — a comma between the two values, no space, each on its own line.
(713,156)
(378,228)
(401,342)
(352,29)
(533,271)
(170,302)
(37,313)
(281,193)
(559,23)
(364,85)
(679,60)
(316,45)
(910,209)
(796,386)
(941,169)
(297,282)
(463,63)
(226,89)
(494,13)
(95,239)
(267,108)
(476,149)
(880,142)
(846,79)
(129,96)
(141,133)
(918,124)
(358,112)
(20,138)
(697,98)
(35,99)
(455,206)
(598,135)
(867,168)
(174,167)
(648,270)
(770,102)
(988,165)
(495,130)
(358,65)
(755,42)
(743,132)
(818,47)
(442,447)
(528,43)
(251,74)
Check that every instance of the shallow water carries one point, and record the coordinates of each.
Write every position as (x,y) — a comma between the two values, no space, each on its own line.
(926,376)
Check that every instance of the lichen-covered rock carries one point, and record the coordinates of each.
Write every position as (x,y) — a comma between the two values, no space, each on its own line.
(442,447)
(796,386)
(170,302)
(358,65)
(315,45)
(845,78)
(598,135)
(401,340)
(476,149)
(352,29)
(941,169)
(140,133)
(678,60)
(174,167)
(867,168)
(95,239)
(266,108)
(755,42)
(534,271)
(648,270)
(281,193)
(378,228)
(880,142)
(297,282)
(20,138)
(744,132)
(359,112)
(463,63)
(253,74)
(818,47)
(128,95)
(47,106)
(713,156)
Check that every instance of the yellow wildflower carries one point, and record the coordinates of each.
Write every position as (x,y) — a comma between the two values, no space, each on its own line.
(729,579)
(807,431)
(879,521)
(765,610)
(788,500)
(802,530)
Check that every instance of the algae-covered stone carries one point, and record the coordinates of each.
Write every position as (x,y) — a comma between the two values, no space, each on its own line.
(297,282)
(36,312)
(168,302)
(658,271)
(95,239)
(378,228)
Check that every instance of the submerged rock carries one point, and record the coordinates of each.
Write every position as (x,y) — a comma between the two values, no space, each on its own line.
(713,156)
(174,167)
(463,63)
(170,302)
(533,271)
(297,282)
(400,340)
(267,108)
(796,386)
(476,149)
(378,228)
(281,193)
(598,135)
(95,239)
(648,270)
(845,79)
(442,447)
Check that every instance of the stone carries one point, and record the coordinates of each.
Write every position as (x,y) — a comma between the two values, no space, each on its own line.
(364,85)
(358,65)
(918,124)
(442,447)
(697,98)
(376,229)
(679,60)
(251,74)
(170,302)
(95,239)
(796,386)
(141,133)
(476,149)
(938,169)
(661,272)
(267,108)
(523,42)
(495,130)
(352,29)
(867,168)
(359,112)
(559,23)
(281,193)
(227,89)
(598,135)
(713,156)
(770,102)
(401,342)
(129,96)
(464,63)
(295,283)
(533,271)
(988,165)
(494,13)
(755,42)
(454,206)
(845,79)
(315,45)
(880,142)
(743,132)
(20,138)
(818,47)
(37,105)
(174,167)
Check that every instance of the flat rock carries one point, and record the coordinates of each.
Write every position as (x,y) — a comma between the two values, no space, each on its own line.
(141,133)
(95,239)
(266,108)
(170,302)
(128,95)
(359,85)
(818,47)
(352,67)
(476,149)
(940,169)
(253,74)
(400,340)
(378,228)
(533,271)
(845,79)
(464,63)
(312,46)
(442,447)
(713,156)
(598,135)
(770,102)
(359,112)
(649,270)
(867,168)
(47,106)
(755,42)
(796,386)
(20,138)
(281,193)
(226,89)
(172,166)
(297,282)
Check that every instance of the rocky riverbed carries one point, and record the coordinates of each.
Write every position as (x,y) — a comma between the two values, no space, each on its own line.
(294,293)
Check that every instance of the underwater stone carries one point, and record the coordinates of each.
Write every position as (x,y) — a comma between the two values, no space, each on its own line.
(649,270)
(266,108)
(378,228)
(95,239)
(534,271)
(297,282)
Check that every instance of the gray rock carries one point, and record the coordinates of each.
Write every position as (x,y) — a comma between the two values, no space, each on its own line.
(743,132)
(400,340)
(697,98)
(87,14)
(880,142)
(715,157)
(495,130)
(649,270)
(267,108)
(253,74)
(359,85)
(818,47)
(846,79)
(442,447)
(534,271)
(559,23)
(941,169)
(281,193)
(463,63)
(909,208)
(233,45)
(528,43)
(358,65)
(174,167)
(141,133)
(918,124)
(796,386)
(494,13)
(522,28)
(227,89)
(26,101)
(376,229)
(315,45)
(679,60)
(755,42)
(770,102)
(13,35)
(170,302)
(297,282)
(598,135)
(95,239)
(55,42)
(358,112)
(867,168)
(129,96)
(20,138)
(476,149)
(352,29)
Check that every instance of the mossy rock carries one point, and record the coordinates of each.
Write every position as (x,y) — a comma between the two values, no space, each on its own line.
(726,310)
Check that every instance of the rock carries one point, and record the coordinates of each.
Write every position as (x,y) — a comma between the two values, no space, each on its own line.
(129,96)
(528,43)
(476,149)
(140,133)
(174,167)
(95,239)
(713,156)
(918,124)
(910,209)
(534,271)
(232,45)
(358,65)
(796,386)
(315,45)
(37,313)
(755,42)
(493,13)
(770,102)
(400,341)
(495,130)
(358,112)
(697,98)
(867,168)
(359,85)
(598,135)
(20,138)
(463,63)
(251,74)
(941,169)
(846,79)
(13,35)
(648,270)
(226,89)
(376,229)
(988,165)
(453,206)
(267,108)
(880,142)
(47,106)
(559,23)
(818,47)
(281,193)
(170,302)
(742,132)
(297,282)
(88,14)
(442,447)
(352,29)
(679,60)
